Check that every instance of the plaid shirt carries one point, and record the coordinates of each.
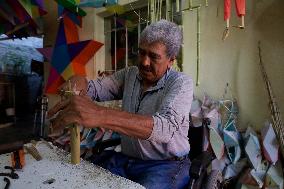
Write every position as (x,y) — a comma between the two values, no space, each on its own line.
(168,103)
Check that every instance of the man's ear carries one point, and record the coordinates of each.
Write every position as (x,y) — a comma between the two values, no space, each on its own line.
(172,61)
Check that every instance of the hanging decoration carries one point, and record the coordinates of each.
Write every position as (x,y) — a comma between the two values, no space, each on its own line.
(72,6)
(120,22)
(21,18)
(97,3)
(62,12)
(69,55)
(240,10)
(116,9)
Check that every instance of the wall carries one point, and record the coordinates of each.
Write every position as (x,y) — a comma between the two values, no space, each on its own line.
(235,61)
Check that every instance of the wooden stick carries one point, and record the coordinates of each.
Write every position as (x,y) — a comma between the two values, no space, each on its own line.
(75,134)
(198,47)
(242,26)
(75,144)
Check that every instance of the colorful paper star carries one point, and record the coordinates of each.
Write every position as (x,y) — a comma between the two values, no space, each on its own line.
(69,55)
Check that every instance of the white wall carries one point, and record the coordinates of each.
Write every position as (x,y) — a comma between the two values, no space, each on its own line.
(235,61)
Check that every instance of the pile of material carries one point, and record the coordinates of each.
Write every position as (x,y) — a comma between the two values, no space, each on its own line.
(246,159)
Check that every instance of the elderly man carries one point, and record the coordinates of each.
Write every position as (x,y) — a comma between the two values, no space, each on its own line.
(154,120)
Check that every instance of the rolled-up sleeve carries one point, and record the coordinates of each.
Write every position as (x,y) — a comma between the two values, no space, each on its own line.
(107,88)
(173,115)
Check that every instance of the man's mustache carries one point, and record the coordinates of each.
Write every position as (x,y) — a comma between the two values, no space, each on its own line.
(145,68)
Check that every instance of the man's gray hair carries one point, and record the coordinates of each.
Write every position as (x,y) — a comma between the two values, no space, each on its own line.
(165,32)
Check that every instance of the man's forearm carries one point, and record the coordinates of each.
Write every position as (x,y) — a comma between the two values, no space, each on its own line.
(134,125)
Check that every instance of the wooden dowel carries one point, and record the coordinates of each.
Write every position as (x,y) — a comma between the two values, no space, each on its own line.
(75,144)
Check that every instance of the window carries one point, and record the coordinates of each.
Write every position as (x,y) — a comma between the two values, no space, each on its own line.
(122,37)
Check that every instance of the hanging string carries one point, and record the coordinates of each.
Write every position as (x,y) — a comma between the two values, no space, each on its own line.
(149,11)
(152,10)
(161,4)
(198,46)
(145,20)
(168,11)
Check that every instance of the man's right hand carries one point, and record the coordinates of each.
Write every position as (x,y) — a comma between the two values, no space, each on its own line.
(78,84)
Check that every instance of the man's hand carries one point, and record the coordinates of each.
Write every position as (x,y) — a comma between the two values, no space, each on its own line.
(75,110)
(78,83)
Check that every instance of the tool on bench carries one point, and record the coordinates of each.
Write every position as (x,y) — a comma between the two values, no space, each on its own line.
(7,183)
(12,175)
(33,151)
(17,153)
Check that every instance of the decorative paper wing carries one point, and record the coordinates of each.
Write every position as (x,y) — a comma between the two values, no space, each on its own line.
(231,140)
(259,173)
(274,177)
(269,143)
(217,143)
(252,148)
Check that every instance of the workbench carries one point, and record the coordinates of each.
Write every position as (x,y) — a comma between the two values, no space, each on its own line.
(55,171)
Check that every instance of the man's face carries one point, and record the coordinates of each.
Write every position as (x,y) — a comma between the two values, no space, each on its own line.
(153,62)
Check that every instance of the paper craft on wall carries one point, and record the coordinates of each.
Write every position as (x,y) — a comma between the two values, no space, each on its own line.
(240,10)
(69,55)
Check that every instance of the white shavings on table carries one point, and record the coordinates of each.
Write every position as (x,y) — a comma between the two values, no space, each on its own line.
(56,165)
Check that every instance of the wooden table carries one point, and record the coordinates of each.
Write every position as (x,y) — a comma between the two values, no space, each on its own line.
(55,166)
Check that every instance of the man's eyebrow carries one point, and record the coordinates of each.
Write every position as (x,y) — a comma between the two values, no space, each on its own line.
(150,53)
(155,55)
